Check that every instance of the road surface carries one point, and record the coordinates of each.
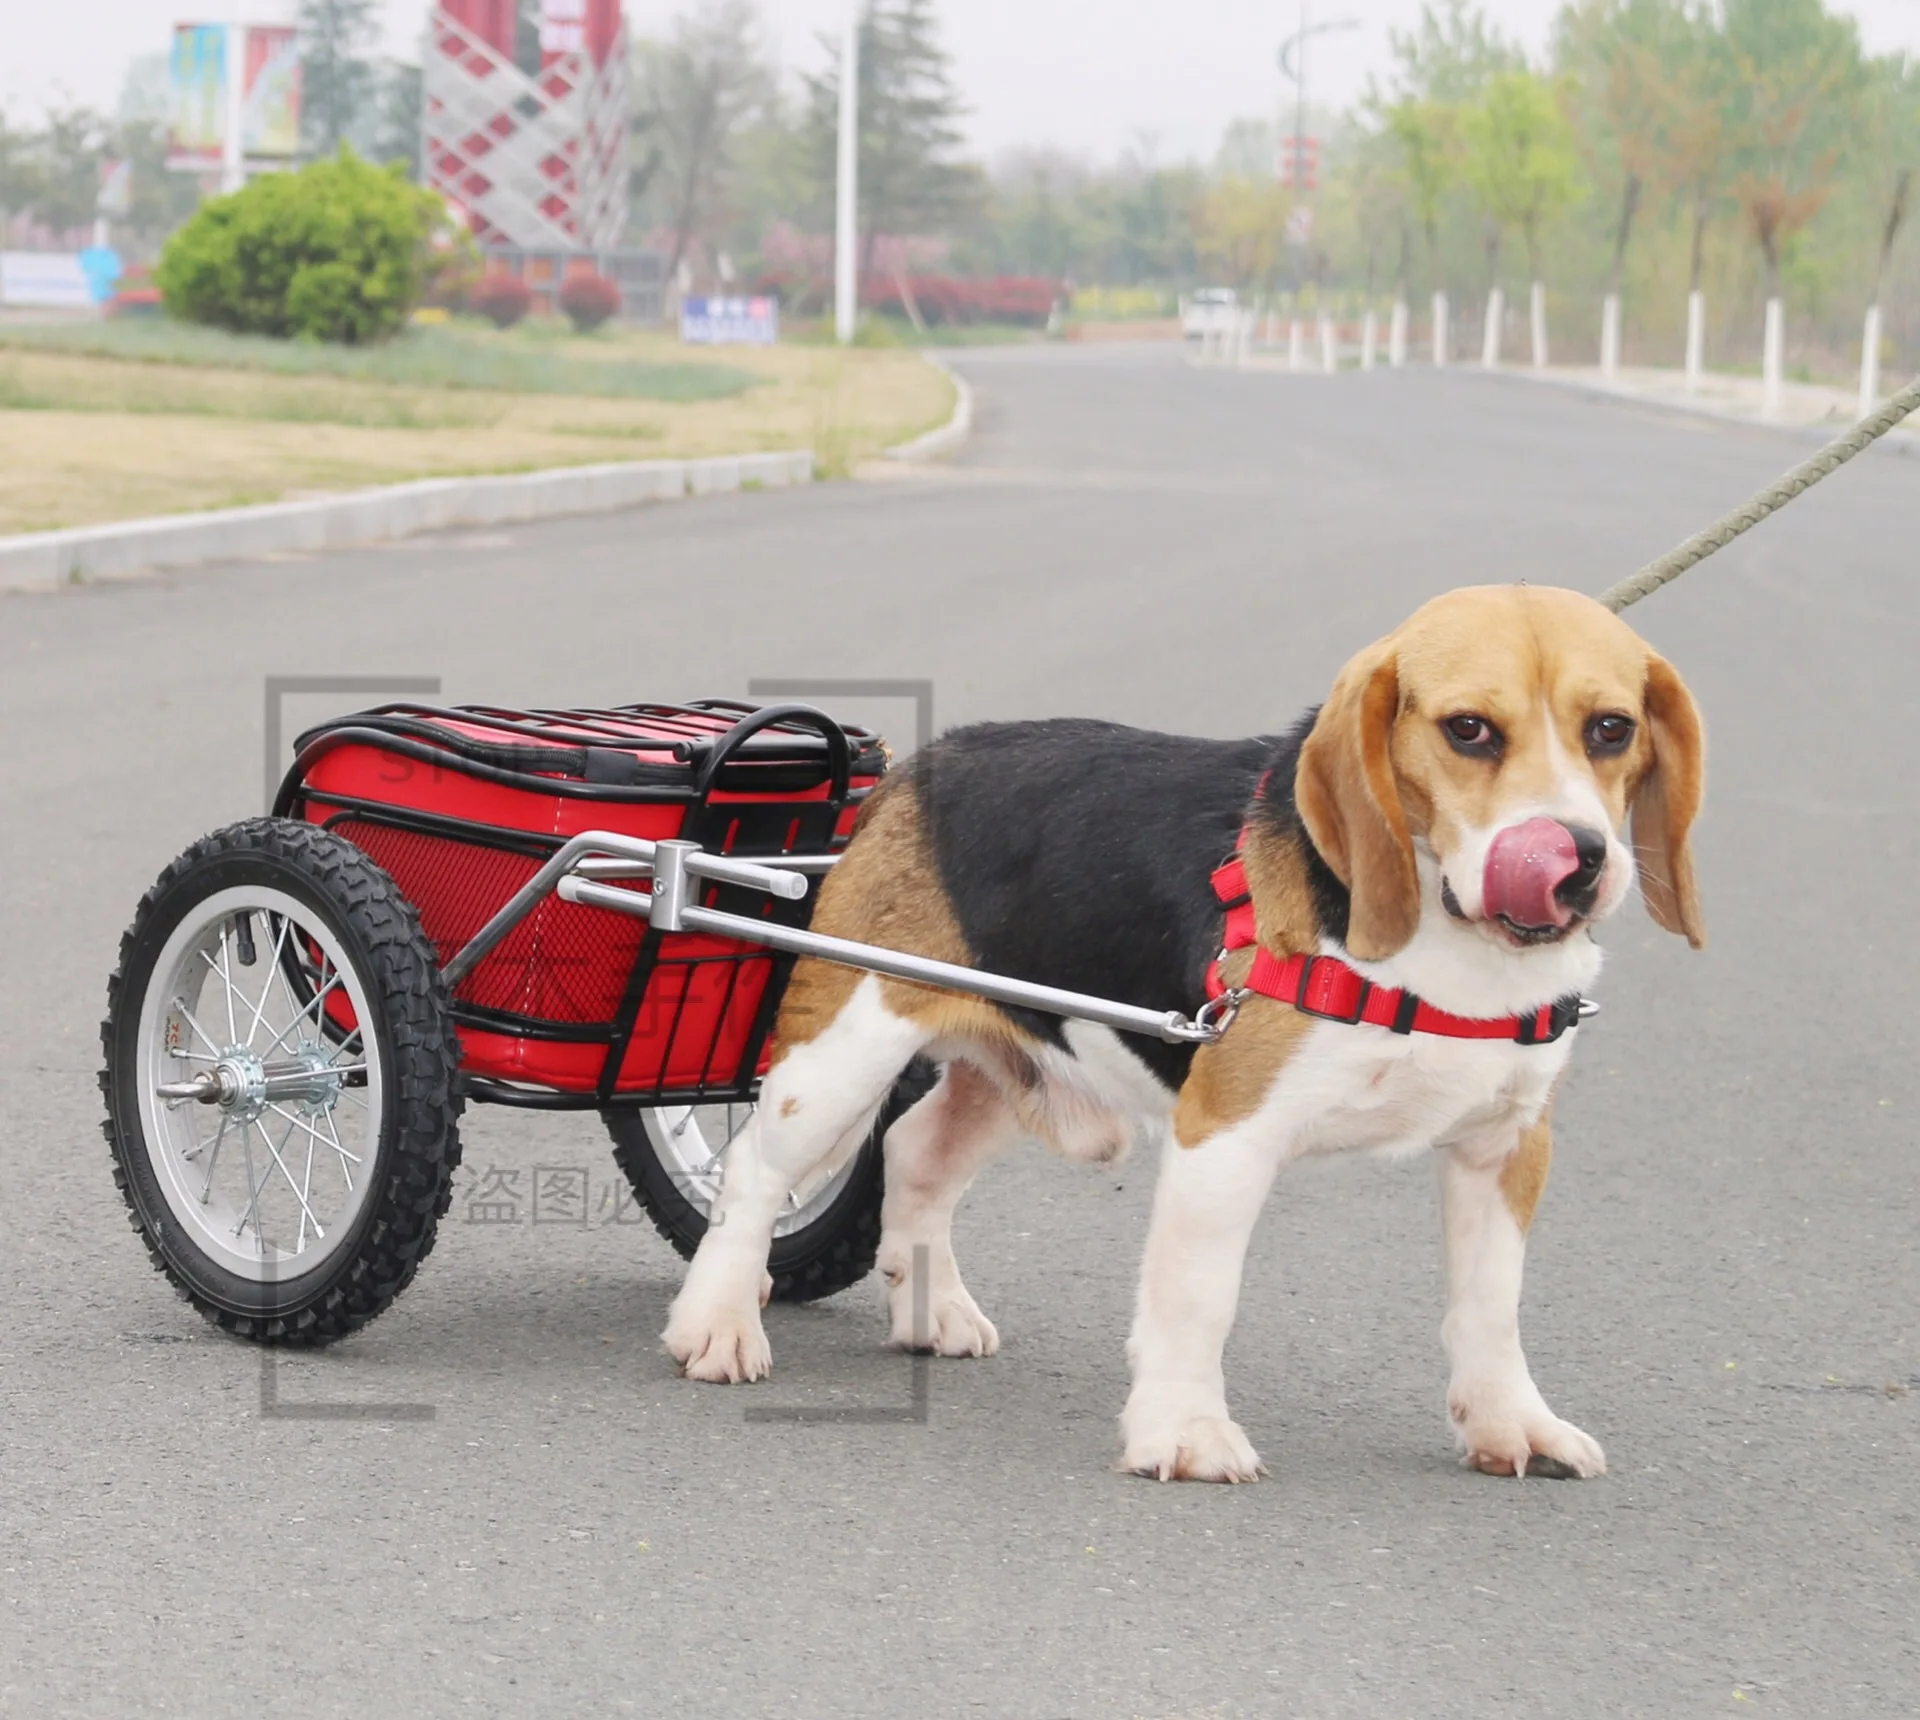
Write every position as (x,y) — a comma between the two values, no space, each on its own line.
(1724,1279)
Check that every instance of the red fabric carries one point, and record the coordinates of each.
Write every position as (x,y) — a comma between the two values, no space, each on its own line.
(1326,986)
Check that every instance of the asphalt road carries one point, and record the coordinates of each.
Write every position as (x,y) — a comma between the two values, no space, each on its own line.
(1724,1279)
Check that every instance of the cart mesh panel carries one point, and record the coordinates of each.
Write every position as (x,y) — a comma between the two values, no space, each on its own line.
(562,964)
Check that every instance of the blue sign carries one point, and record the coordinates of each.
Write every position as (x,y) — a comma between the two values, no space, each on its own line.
(101,266)
(730,322)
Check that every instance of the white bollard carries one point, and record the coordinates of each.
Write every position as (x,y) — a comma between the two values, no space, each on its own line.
(1870,362)
(1490,340)
(1329,345)
(1696,338)
(1539,320)
(1296,345)
(1610,338)
(1773,360)
(1397,335)
(1440,333)
(1369,339)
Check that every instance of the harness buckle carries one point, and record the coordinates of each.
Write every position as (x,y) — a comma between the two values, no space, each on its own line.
(1323,1005)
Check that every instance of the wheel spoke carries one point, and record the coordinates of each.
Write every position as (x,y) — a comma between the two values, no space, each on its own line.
(346,1158)
(320,998)
(186,1015)
(297,1195)
(266,991)
(301,1123)
(306,1189)
(246,1143)
(213,1157)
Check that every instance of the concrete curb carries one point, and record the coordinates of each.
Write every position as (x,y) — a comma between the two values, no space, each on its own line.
(950,435)
(1903,439)
(371,516)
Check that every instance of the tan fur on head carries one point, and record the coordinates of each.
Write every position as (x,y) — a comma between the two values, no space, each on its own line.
(1377,773)
(1667,801)
(1348,794)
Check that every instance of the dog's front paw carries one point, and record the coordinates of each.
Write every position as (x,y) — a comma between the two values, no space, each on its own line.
(1187,1447)
(946,1323)
(725,1346)
(1514,1433)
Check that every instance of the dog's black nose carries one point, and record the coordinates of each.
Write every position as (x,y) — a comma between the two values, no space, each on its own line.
(1580,886)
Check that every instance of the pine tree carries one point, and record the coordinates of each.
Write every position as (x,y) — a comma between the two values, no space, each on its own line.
(336,81)
(913,178)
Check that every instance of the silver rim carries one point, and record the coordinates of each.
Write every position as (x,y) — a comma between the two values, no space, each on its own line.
(691,1142)
(260,1088)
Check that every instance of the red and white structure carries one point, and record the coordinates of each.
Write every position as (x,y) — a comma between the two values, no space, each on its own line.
(535,163)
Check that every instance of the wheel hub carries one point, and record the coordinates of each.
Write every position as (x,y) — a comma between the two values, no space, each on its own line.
(244,1085)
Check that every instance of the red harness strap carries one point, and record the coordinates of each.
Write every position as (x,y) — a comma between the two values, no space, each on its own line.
(1325,986)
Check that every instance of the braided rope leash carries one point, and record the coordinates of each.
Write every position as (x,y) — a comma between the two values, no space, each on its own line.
(1770,500)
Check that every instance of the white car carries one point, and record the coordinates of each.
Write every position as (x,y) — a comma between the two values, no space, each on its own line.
(1209,310)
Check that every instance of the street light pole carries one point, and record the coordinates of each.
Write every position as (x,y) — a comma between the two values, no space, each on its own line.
(846,225)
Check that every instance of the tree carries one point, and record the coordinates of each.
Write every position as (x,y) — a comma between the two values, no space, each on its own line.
(1796,65)
(1451,54)
(389,125)
(1242,224)
(19,172)
(1427,135)
(67,157)
(1895,127)
(336,81)
(1695,141)
(697,88)
(913,178)
(1519,158)
(1625,57)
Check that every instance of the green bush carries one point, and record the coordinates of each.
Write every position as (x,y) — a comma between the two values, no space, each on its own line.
(336,252)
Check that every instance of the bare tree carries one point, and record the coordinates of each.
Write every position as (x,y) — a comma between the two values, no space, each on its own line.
(697,89)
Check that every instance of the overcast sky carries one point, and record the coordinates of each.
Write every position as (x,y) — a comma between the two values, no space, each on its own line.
(1089,75)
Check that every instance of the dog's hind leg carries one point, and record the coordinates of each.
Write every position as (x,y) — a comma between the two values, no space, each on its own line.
(932,1154)
(818,1100)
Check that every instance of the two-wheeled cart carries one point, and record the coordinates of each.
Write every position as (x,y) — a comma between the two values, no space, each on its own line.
(560,909)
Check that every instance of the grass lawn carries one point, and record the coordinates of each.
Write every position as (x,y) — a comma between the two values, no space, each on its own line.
(106,421)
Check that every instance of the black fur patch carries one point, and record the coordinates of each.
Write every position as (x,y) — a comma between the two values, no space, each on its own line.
(1080,854)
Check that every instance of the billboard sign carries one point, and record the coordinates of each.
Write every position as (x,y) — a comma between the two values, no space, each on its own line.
(45,280)
(270,92)
(730,321)
(199,78)
(268,66)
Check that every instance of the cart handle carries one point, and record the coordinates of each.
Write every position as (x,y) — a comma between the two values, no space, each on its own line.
(722,751)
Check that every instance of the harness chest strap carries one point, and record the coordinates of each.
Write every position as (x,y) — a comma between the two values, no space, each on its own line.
(1325,986)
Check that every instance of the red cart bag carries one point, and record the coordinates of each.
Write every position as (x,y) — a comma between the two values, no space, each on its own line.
(578,1006)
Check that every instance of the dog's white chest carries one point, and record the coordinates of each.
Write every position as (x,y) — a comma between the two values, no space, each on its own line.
(1365,1089)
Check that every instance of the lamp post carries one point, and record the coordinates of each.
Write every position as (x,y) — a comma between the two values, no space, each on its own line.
(1296,69)
(846,223)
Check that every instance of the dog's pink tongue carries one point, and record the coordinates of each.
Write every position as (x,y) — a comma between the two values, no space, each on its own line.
(1525,866)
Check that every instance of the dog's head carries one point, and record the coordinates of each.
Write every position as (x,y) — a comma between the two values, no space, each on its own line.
(1505,734)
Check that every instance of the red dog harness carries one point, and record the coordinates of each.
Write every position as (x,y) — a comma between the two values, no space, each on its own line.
(1325,986)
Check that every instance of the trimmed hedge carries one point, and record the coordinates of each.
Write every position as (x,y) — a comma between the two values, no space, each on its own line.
(334,252)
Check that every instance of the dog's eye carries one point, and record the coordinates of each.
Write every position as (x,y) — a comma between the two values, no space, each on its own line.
(1609,734)
(1472,734)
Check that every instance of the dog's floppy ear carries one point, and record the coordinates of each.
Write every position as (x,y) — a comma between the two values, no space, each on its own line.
(1666,802)
(1345,791)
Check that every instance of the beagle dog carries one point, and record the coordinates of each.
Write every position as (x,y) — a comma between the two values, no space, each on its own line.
(1420,865)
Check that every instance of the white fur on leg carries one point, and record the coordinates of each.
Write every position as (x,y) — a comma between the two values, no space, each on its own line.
(815,1097)
(1498,1414)
(1176,1426)
(933,1153)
